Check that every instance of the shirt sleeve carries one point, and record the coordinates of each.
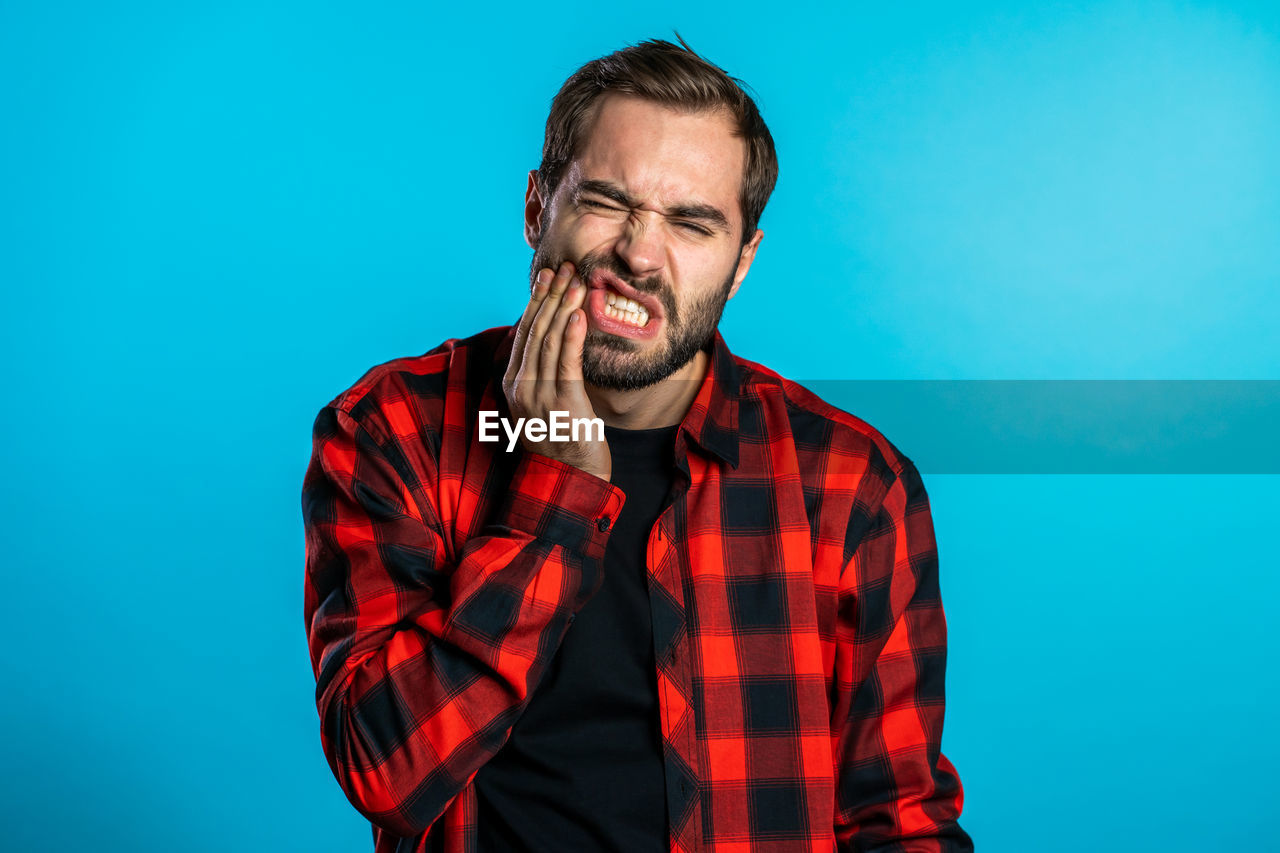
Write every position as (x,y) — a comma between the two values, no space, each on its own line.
(423,662)
(896,792)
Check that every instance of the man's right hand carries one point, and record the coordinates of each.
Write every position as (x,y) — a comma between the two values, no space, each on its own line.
(545,370)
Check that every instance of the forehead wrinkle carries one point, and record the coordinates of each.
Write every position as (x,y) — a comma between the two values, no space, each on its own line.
(684,146)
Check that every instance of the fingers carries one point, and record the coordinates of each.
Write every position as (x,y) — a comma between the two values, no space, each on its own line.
(519,362)
(553,343)
(535,350)
(544,373)
(569,368)
(538,343)
(539,293)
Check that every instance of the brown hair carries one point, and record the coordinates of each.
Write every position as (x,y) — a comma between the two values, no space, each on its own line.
(674,76)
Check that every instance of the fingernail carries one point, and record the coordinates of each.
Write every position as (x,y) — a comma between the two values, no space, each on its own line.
(575,282)
(566,268)
(544,276)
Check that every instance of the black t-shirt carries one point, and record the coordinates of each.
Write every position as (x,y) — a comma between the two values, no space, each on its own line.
(583,769)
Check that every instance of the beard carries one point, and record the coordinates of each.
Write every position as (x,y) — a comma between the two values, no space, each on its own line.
(619,364)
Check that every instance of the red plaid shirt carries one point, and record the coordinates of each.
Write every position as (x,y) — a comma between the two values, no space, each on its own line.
(797,623)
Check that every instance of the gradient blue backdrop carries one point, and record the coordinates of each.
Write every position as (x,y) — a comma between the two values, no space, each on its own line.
(213,217)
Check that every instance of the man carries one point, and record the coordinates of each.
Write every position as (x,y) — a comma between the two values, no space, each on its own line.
(717,626)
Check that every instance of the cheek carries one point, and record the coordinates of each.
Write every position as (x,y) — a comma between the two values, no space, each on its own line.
(706,272)
(576,237)
(594,232)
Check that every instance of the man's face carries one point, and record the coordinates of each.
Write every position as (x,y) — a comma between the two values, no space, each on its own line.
(648,213)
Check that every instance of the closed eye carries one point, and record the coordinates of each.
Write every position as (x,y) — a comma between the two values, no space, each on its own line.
(597,204)
(694,229)
(683,224)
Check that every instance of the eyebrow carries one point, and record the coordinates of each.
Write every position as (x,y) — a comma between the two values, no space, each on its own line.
(702,212)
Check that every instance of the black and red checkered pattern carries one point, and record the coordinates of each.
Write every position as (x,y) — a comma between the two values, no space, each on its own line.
(798,626)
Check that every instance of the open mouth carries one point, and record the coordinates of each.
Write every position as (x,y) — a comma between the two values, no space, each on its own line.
(625,310)
(615,307)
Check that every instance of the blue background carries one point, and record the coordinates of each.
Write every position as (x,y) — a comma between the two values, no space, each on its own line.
(216,216)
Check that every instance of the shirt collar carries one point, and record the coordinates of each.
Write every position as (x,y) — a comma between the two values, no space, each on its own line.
(712,419)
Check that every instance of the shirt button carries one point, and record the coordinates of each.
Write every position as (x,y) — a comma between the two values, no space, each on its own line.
(602,523)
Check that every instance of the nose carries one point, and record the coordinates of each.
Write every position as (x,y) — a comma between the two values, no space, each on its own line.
(641,244)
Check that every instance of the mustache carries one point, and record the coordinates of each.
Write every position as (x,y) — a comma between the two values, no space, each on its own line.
(590,263)
(654,285)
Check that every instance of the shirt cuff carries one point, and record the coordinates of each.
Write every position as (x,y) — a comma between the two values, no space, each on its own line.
(563,504)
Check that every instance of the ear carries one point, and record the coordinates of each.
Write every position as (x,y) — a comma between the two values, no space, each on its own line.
(745,257)
(533,207)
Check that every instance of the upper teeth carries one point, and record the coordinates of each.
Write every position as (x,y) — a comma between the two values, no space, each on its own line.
(626,309)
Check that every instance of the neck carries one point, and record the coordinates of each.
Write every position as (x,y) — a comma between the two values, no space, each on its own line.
(660,405)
